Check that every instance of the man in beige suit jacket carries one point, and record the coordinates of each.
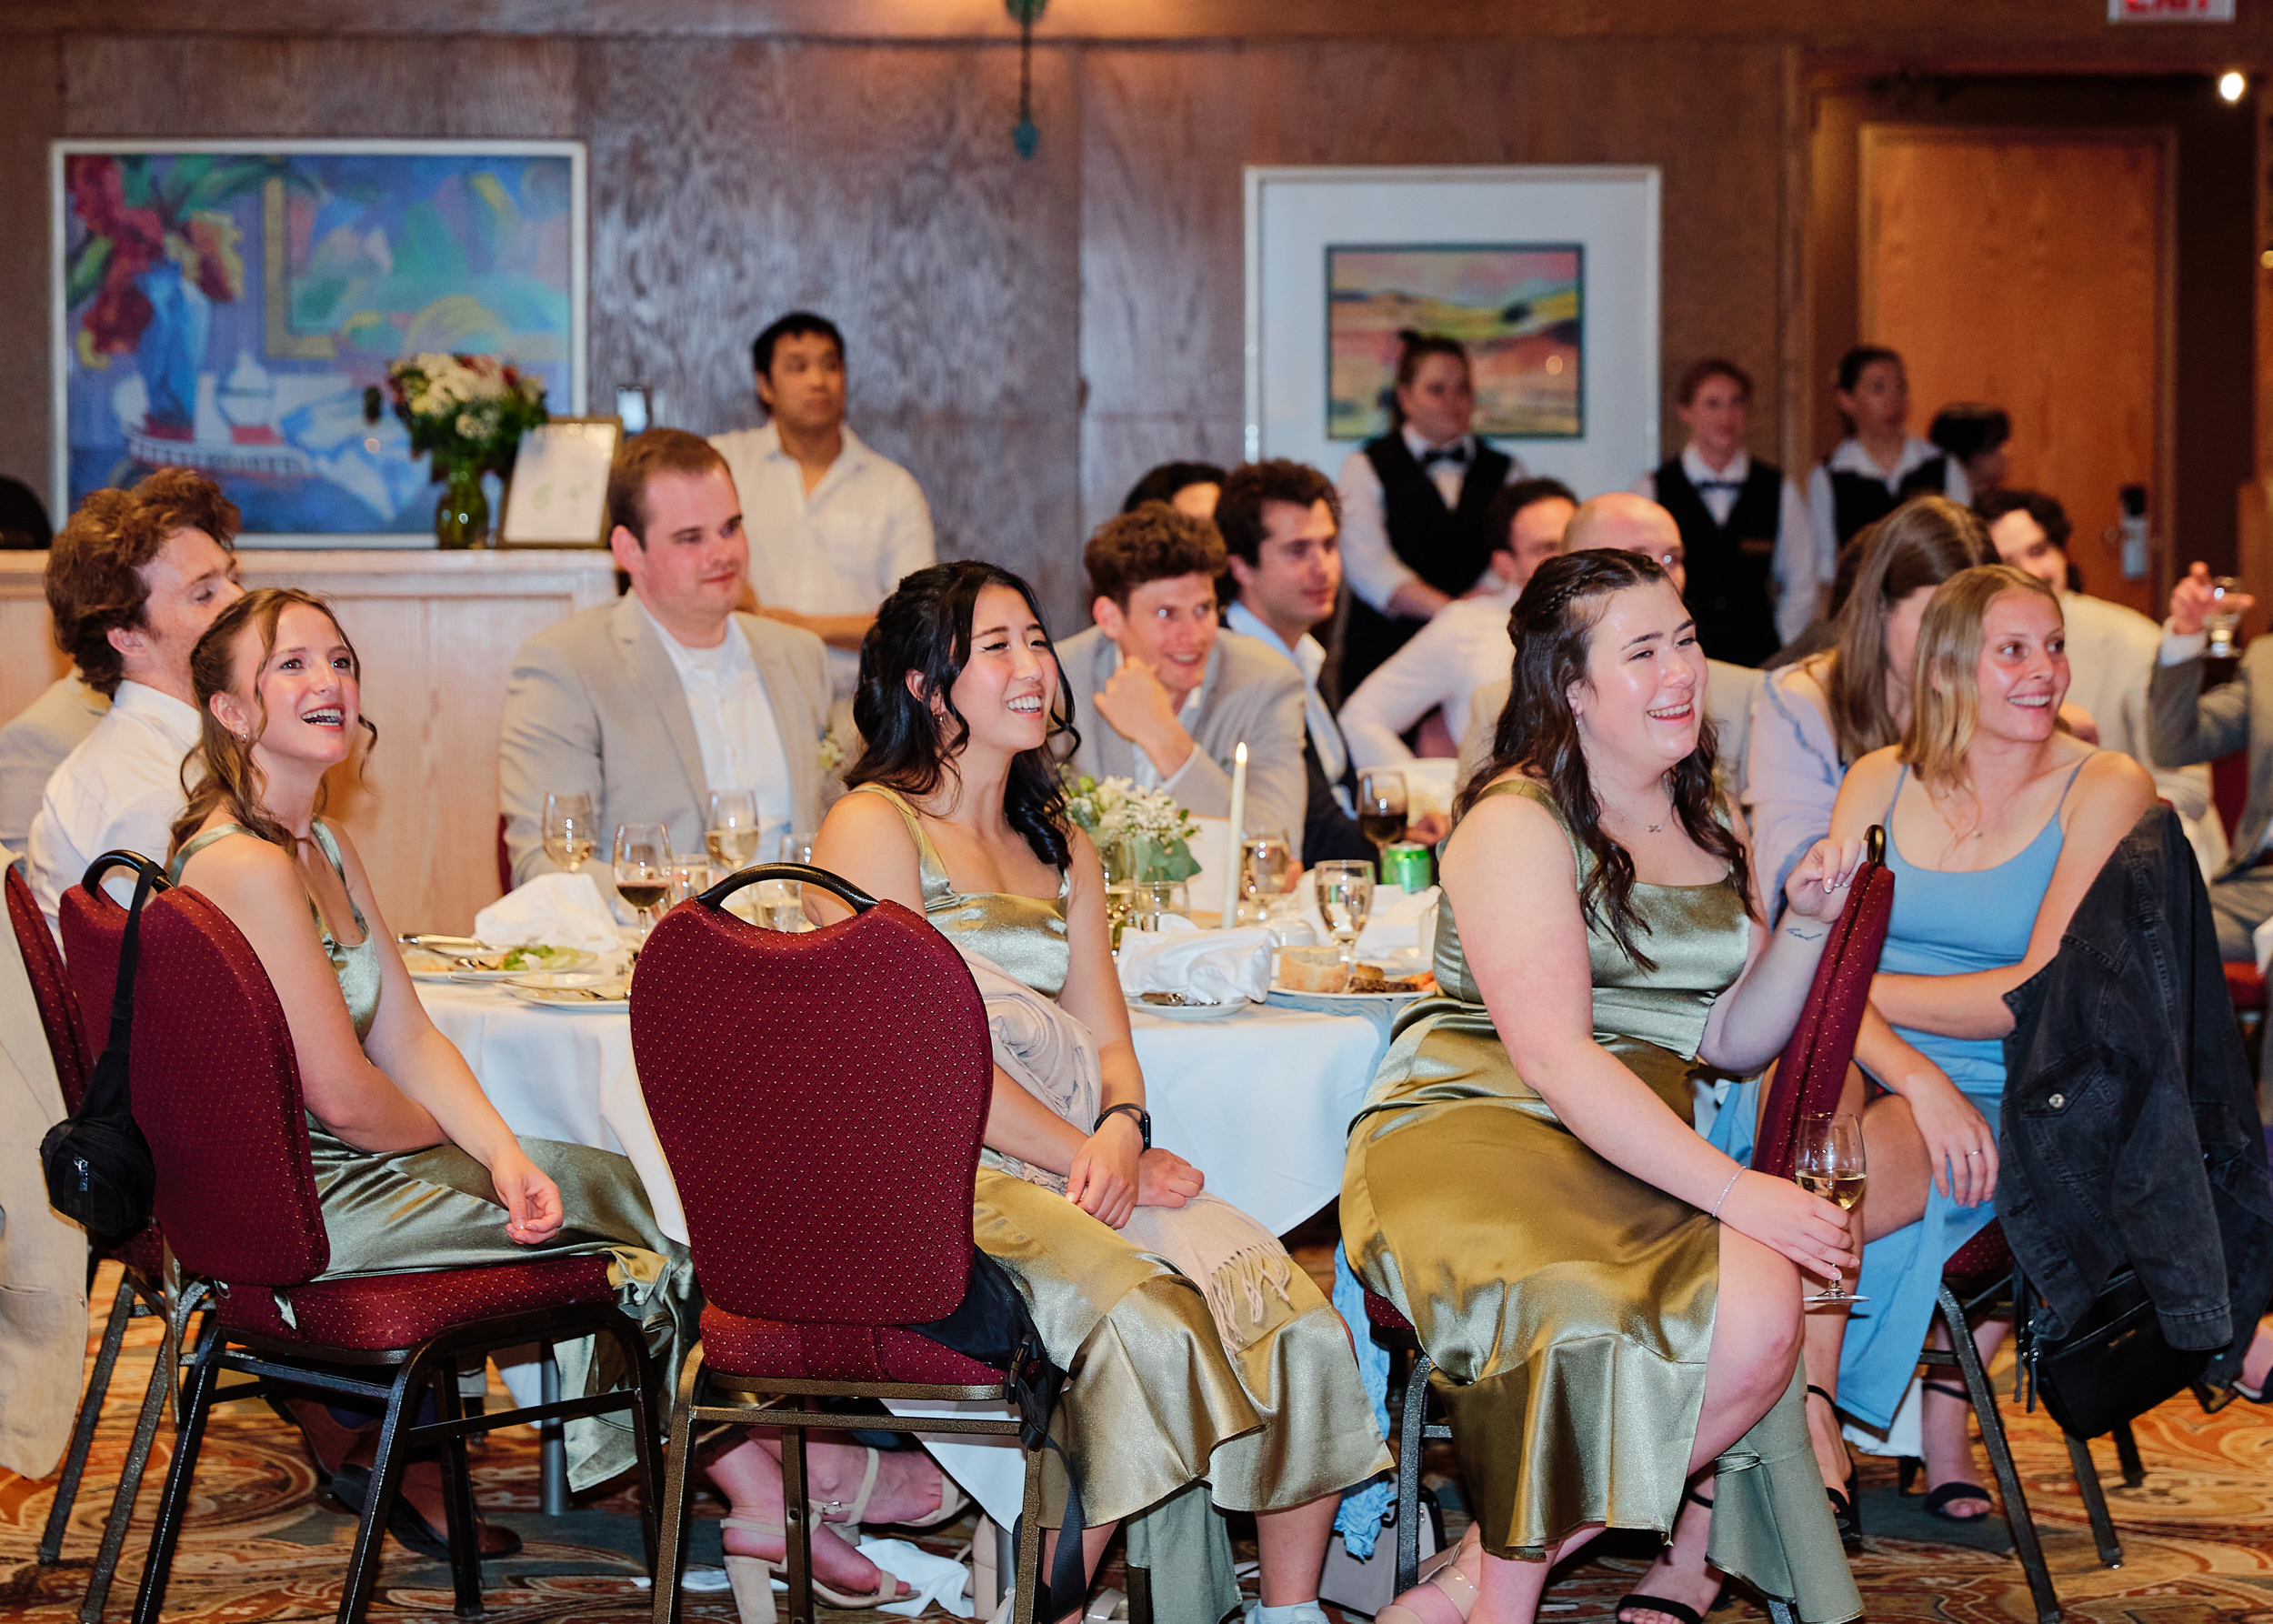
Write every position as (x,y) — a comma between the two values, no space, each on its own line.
(649,703)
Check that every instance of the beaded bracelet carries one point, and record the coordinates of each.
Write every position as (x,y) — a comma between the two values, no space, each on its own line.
(1726,1189)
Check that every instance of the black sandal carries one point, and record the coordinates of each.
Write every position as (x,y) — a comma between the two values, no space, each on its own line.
(1639,1601)
(1938,1498)
(1846,1508)
(351,1486)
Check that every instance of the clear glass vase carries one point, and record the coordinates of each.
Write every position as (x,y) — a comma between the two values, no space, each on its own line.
(461,519)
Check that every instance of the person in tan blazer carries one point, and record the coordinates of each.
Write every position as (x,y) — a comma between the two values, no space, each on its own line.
(651,702)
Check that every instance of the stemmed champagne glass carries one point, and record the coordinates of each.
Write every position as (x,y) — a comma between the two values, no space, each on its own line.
(569,837)
(1827,1161)
(1381,808)
(642,868)
(730,831)
(1345,900)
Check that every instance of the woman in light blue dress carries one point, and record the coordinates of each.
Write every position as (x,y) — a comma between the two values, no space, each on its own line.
(1996,824)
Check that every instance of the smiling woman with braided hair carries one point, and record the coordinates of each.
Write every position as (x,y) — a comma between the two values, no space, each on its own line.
(1525,1182)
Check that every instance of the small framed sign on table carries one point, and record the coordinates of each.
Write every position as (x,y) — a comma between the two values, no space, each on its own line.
(558,497)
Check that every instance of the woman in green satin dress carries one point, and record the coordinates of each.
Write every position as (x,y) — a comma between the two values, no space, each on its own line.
(1525,1183)
(957,812)
(413,1166)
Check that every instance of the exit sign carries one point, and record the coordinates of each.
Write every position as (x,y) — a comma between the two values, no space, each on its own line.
(2171,11)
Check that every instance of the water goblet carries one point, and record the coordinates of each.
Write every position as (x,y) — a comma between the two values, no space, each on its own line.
(1345,890)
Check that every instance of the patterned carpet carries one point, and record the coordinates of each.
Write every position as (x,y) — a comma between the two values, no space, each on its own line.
(2197,1535)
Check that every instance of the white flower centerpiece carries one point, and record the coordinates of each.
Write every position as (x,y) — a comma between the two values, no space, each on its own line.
(1144,832)
(467,413)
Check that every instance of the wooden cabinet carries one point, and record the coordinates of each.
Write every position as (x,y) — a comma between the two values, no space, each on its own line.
(436,634)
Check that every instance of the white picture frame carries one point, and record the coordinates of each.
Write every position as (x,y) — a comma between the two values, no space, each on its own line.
(558,497)
(1296,216)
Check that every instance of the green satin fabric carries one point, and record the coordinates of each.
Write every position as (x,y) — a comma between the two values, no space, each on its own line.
(1568,1304)
(357,967)
(393,1213)
(1155,1401)
(1025,934)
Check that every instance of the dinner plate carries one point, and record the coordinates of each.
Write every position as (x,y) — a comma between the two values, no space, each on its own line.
(564,993)
(1190,1011)
(453,970)
(1394,998)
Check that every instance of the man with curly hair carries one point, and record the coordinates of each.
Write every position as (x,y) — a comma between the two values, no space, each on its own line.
(133,582)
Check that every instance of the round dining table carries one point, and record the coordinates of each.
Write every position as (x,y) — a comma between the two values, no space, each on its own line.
(1260,1101)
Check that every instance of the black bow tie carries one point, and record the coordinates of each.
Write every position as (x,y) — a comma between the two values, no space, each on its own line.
(1444,453)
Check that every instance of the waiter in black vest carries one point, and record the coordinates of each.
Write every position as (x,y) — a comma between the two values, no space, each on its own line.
(1413,506)
(1880,465)
(1751,556)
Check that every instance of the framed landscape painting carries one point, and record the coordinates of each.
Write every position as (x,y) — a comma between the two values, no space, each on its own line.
(222,305)
(1519,309)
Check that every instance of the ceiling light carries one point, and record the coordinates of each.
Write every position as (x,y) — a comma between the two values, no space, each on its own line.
(2232,87)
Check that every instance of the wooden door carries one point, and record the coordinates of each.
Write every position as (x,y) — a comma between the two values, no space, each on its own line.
(2031,269)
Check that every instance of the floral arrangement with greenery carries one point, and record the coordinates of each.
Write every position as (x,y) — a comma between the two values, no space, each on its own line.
(466,412)
(1158,829)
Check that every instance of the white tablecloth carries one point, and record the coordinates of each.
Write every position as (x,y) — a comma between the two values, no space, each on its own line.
(1260,1102)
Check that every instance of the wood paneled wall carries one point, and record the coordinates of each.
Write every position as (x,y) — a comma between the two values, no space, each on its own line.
(1026,335)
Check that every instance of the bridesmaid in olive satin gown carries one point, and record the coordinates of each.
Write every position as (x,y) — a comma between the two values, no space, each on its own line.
(1271,1412)
(1525,1183)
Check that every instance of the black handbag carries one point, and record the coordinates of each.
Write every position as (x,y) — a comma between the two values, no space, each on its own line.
(2111,1365)
(993,1326)
(99,1171)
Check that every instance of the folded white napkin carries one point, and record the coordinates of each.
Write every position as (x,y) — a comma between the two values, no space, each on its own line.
(1215,966)
(1393,931)
(553,911)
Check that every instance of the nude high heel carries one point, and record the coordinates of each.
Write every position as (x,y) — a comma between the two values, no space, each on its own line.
(751,1578)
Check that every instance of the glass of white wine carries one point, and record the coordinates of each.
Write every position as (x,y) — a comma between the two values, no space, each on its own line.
(1827,1161)
(783,899)
(642,868)
(569,836)
(730,830)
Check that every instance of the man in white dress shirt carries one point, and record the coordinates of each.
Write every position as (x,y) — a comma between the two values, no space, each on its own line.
(832,523)
(133,582)
(1751,554)
(33,744)
(1281,524)
(651,702)
(1465,647)
(1163,695)
(2112,654)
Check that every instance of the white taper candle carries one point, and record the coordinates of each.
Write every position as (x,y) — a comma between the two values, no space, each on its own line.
(1236,843)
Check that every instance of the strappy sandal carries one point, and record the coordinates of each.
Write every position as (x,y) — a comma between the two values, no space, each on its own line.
(1640,1603)
(752,1579)
(1440,1577)
(1939,1498)
(1847,1506)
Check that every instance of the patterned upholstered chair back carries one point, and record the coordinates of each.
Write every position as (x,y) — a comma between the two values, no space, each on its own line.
(820,1097)
(50,990)
(93,930)
(216,1092)
(1813,1068)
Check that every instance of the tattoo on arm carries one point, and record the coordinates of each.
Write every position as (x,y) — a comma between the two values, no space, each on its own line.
(1797,933)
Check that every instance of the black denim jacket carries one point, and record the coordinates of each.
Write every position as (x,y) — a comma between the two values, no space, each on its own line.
(2129,1131)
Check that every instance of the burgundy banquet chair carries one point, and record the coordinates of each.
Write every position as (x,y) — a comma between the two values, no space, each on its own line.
(821,1118)
(216,1092)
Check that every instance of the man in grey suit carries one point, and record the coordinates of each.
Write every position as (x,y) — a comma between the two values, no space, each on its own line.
(651,702)
(2185,724)
(1163,695)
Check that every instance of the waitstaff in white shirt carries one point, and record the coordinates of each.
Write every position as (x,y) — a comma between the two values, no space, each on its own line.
(1413,503)
(133,581)
(651,702)
(832,523)
(1465,647)
(1751,556)
(1880,465)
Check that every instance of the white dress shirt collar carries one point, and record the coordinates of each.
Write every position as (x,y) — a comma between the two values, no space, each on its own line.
(1418,445)
(177,719)
(1698,470)
(1849,457)
(1310,658)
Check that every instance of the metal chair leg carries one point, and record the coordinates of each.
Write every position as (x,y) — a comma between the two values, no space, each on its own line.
(98,1388)
(670,1563)
(1027,1576)
(552,1440)
(1408,1471)
(457,1490)
(162,1388)
(2095,1502)
(796,1545)
(2026,1545)
(2126,1456)
(1779,1611)
(386,1478)
(173,1503)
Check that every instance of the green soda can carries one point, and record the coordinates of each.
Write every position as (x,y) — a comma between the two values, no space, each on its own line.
(1406,865)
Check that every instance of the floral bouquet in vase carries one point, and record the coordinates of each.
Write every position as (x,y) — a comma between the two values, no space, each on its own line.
(467,413)
(1143,836)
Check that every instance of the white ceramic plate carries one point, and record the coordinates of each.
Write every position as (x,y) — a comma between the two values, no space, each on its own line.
(1394,999)
(455,970)
(1190,1011)
(569,998)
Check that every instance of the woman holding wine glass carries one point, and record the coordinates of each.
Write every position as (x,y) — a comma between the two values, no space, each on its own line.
(1997,824)
(1632,1317)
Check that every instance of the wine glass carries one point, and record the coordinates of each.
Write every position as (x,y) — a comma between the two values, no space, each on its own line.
(1381,808)
(730,831)
(1827,1161)
(1267,859)
(1345,900)
(2221,620)
(783,900)
(642,868)
(570,840)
